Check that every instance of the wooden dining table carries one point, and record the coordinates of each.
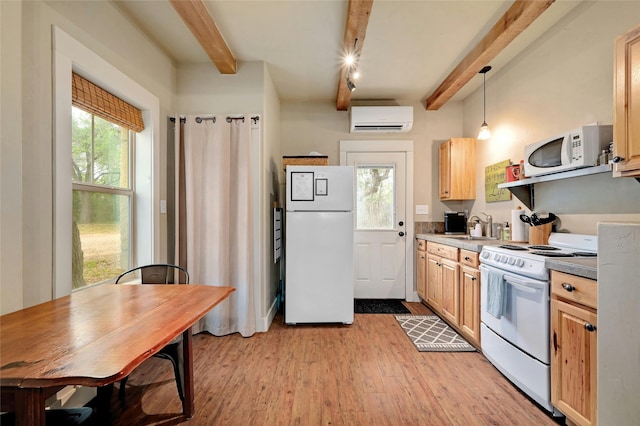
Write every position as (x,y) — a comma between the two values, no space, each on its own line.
(95,337)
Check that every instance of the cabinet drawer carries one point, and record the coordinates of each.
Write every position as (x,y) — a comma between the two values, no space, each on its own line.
(469,258)
(422,245)
(573,288)
(442,250)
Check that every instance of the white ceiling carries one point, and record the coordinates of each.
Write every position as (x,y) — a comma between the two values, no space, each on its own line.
(410,46)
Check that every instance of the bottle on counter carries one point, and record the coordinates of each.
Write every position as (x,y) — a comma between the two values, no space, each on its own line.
(506,232)
(499,231)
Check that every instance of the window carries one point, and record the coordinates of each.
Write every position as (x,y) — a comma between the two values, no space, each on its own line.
(102,198)
(142,117)
(375,197)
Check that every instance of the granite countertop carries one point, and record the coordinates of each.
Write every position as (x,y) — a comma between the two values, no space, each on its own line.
(454,241)
(586,267)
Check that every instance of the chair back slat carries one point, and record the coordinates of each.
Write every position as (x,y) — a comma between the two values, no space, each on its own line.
(158,274)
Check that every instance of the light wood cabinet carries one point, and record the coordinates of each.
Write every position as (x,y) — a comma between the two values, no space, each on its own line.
(573,347)
(453,287)
(627,104)
(457,169)
(450,290)
(421,269)
(469,319)
(442,280)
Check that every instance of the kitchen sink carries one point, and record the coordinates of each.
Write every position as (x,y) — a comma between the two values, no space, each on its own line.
(469,237)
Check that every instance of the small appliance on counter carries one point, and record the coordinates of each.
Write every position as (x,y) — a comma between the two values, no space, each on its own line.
(455,223)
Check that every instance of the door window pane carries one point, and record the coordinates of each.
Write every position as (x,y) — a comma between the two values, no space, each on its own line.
(375,197)
(101,230)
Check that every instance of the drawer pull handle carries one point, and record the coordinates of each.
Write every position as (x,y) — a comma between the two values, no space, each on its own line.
(568,287)
(590,327)
(617,159)
(467,258)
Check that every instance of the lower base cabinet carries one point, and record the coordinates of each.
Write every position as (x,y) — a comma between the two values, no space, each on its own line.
(574,337)
(452,287)
(470,303)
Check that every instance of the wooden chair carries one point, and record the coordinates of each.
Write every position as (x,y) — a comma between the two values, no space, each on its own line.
(160,274)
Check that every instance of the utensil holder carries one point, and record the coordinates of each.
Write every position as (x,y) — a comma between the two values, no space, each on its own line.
(539,235)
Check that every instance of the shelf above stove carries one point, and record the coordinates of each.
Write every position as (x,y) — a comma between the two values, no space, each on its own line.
(524,189)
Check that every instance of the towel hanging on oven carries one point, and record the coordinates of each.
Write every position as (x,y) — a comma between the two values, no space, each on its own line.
(496,294)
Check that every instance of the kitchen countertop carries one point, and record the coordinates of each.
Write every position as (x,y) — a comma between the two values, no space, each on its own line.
(586,267)
(583,267)
(450,240)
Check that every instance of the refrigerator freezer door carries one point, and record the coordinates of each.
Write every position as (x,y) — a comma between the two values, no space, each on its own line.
(319,267)
(319,188)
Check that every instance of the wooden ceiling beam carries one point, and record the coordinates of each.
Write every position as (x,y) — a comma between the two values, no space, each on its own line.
(515,20)
(196,16)
(355,29)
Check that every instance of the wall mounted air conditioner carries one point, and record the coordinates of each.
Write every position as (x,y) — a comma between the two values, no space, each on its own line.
(381,119)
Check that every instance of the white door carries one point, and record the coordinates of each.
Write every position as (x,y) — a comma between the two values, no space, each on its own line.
(379,224)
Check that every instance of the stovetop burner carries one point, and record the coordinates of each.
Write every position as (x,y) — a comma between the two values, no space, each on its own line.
(512,247)
(543,248)
(585,254)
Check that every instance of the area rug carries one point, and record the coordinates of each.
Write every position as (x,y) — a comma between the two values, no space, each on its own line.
(429,333)
(379,306)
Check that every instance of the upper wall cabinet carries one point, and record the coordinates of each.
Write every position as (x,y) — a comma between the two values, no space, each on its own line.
(458,169)
(626,149)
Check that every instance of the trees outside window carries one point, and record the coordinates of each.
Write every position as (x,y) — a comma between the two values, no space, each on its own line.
(102,198)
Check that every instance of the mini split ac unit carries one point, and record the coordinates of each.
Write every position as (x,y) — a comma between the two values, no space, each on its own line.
(381,119)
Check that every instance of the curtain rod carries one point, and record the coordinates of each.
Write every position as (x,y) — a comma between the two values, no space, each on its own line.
(201,119)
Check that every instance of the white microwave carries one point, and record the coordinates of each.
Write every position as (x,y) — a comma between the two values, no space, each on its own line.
(570,150)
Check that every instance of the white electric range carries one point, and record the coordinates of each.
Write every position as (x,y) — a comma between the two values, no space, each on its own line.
(516,341)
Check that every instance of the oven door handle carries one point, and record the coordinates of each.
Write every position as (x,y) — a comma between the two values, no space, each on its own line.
(527,286)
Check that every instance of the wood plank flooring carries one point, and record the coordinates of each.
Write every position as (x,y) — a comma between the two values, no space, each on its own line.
(368,373)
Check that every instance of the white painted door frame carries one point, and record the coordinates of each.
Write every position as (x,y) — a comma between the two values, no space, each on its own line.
(405,146)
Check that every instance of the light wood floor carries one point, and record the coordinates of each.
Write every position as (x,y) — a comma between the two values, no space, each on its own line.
(368,373)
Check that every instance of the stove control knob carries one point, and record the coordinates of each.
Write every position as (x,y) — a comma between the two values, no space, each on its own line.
(485,255)
(497,257)
(512,261)
(520,263)
(504,259)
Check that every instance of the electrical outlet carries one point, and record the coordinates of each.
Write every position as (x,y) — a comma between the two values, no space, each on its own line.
(422,209)
(163,206)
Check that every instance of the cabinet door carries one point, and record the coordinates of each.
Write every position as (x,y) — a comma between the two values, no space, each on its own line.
(627,104)
(573,361)
(470,303)
(450,290)
(444,171)
(421,274)
(434,283)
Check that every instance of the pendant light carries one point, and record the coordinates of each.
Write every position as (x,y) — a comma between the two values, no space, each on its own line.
(485,133)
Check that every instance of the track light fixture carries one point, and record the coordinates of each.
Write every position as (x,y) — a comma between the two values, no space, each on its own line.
(350,85)
(485,133)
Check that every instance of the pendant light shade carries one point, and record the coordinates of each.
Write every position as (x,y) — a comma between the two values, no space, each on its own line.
(485,133)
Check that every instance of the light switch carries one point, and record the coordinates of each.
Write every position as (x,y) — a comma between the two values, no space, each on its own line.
(422,209)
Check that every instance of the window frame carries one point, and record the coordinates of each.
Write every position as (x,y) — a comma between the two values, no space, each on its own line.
(71,55)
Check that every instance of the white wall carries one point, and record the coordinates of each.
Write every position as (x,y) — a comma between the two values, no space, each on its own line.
(26,114)
(560,82)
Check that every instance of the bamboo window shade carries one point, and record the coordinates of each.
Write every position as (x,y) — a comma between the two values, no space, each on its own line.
(94,99)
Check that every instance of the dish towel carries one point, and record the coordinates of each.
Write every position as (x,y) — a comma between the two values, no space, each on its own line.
(496,294)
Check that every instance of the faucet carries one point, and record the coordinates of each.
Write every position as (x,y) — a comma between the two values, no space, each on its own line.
(471,220)
(489,224)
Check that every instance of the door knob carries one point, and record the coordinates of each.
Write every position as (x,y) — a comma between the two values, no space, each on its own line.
(401,233)
(401,223)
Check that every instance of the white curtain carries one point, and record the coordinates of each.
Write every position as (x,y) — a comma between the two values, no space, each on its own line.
(214,219)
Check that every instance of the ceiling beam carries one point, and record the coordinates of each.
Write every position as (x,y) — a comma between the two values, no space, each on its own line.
(195,15)
(355,29)
(515,20)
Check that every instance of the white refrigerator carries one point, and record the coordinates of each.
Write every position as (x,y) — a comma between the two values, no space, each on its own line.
(319,245)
